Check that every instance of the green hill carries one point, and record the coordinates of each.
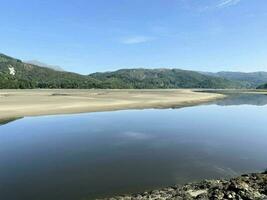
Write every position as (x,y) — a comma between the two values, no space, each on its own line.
(248,80)
(263,86)
(161,78)
(16,74)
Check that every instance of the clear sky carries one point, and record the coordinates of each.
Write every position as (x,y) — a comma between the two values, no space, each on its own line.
(102,35)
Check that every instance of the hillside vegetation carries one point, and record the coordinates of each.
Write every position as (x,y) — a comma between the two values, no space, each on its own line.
(263,86)
(16,74)
(247,80)
(161,78)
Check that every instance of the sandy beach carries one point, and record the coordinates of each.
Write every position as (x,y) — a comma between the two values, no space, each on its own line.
(20,103)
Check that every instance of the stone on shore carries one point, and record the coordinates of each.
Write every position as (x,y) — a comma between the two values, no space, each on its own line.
(245,187)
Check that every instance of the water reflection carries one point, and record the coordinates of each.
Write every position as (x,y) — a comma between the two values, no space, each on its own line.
(85,156)
(243,99)
(8,120)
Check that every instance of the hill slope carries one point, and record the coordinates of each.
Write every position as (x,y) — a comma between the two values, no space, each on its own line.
(161,78)
(263,86)
(41,64)
(16,74)
(248,80)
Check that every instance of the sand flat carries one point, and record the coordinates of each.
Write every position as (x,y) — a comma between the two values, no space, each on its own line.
(20,103)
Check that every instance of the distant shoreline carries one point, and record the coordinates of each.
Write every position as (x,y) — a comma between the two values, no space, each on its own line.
(36,102)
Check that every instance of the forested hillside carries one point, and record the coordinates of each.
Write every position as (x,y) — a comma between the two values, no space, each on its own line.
(16,74)
(263,86)
(161,78)
(246,79)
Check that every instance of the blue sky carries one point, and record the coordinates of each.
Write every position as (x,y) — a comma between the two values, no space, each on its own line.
(102,35)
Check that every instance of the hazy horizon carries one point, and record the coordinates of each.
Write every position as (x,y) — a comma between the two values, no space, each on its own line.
(98,36)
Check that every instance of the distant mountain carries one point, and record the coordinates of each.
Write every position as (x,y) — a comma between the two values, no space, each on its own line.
(17,74)
(41,64)
(161,78)
(248,80)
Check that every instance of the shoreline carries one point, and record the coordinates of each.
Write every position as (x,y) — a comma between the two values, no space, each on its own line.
(248,186)
(23,103)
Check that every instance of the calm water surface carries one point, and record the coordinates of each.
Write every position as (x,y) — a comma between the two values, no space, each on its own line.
(84,156)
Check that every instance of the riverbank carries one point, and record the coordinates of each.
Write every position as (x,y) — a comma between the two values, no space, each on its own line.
(21,103)
(248,186)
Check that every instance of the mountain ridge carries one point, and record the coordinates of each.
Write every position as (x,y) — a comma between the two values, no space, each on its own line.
(162,78)
(247,79)
(15,73)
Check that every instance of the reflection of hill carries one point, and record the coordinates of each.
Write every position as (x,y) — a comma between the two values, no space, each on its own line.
(244,99)
(5,121)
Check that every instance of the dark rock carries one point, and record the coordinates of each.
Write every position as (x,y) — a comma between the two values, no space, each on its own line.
(246,187)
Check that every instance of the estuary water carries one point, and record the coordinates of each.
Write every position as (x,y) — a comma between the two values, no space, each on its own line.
(94,155)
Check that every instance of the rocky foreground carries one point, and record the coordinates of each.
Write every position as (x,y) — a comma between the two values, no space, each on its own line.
(245,187)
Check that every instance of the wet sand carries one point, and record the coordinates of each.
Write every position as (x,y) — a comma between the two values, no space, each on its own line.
(21,103)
